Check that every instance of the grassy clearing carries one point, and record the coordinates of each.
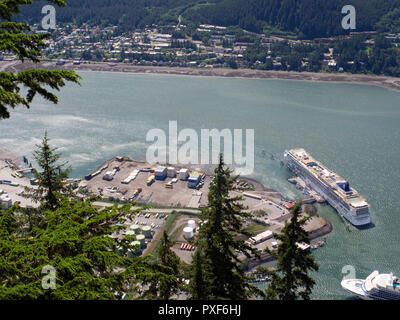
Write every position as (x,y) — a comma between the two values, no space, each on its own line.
(168,225)
(256,228)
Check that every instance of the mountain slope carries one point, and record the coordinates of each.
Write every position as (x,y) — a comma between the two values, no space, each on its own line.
(308,18)
(313,18)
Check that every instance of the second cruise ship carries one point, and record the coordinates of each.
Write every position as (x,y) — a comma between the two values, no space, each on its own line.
(330,186)
(375,287)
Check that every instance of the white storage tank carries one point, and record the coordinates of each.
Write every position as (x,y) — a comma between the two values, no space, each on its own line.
(146,231)
(120,250)
(130,233)
(171,172)
(192,224)
(188,232)
(141,238)
(136,244)
(135,228)
(134,252)
(183,174)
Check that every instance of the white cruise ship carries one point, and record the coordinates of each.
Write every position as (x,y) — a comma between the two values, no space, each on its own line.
(330,186)
(375,287)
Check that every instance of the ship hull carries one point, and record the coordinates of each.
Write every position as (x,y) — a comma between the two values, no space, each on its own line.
(357,287)
(343,210)
(354,286)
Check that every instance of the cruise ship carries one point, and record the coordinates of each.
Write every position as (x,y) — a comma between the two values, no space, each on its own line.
(330,186)
(375,287)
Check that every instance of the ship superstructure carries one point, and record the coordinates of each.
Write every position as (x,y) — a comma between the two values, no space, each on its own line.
(330,186)
(376,287)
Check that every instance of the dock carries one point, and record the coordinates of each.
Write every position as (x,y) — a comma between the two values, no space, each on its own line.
(302,186)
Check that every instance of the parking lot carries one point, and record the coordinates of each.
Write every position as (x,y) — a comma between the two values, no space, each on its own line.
(14,192)
(155,221)
(272,211)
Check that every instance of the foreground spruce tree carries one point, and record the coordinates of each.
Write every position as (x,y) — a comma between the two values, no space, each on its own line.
(15,38)
(291,280)
(219,239)
(75,240)
(50,179)
(198,287)
(165,287)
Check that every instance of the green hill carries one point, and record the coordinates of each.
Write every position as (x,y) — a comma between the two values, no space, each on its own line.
(307,18)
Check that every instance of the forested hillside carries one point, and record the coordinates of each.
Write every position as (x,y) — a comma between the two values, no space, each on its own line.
(124,13)
(311,18)
(307,18)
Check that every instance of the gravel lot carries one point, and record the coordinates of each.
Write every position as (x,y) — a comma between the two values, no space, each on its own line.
(156,194)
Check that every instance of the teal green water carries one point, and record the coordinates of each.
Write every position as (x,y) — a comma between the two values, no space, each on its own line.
(352,129)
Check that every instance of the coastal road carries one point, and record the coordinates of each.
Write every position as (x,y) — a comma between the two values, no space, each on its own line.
(391,83)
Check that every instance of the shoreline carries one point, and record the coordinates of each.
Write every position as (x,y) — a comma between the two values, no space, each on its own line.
(389,83)
(324,230)
(315,234)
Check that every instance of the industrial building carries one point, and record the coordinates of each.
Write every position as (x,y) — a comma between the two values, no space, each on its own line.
(109,175)
(261,237)
(160,173)
(171,172)
(5,201)
(131,177)
(183,174)
(194,180)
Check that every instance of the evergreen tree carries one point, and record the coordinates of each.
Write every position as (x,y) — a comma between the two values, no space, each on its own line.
(164,288)
(15,38)
(75,240)
(50,180)
(222,227)
(198,287)
(291,280)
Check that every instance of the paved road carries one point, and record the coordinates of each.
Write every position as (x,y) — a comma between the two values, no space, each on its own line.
(151,210)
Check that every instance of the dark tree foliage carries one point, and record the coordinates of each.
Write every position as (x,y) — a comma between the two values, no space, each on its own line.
(383,58)
(390,22)
(51,179)
(219,239)
(75,240)
(164,288)
(198,288)
(15,37)
(127,14)
(291,280)
(312,18)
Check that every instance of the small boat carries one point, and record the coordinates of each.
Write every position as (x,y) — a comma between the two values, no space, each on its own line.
(318,244)
(257,278)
